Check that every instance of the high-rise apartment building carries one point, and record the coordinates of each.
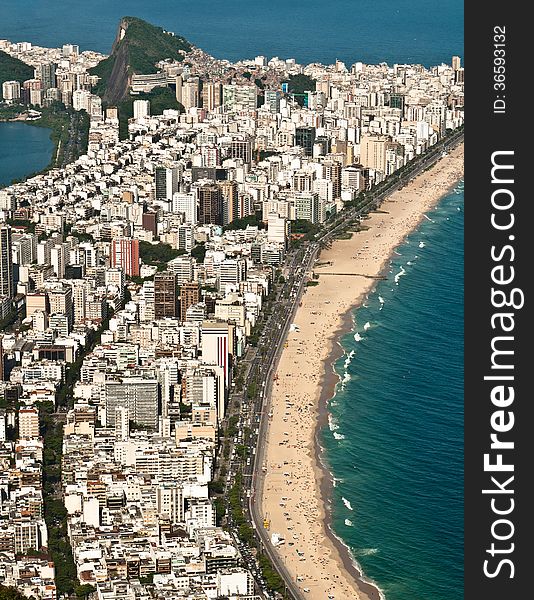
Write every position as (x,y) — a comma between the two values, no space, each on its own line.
(332,172)
(211,95)
(11,91)
(272,101)
(186,204)
(60,302)
(165,295)
(210,204)
(139,395)
(239,97)
(241,149)
(305,138)
(6,262)
(307,206)
(167,180)
(215,346)
(230,197)
(141,109)
(191,93)
(183,266)
(189,295)
(48,76)
(125,254)
(28,423)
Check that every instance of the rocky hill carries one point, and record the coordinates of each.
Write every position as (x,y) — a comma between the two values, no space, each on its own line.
(137,48)
(13,69)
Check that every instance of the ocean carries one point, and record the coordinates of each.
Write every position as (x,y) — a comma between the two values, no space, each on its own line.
(394,444)
(372,31)
(24,149)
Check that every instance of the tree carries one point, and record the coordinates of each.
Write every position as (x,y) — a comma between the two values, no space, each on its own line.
(157,254)
(82,591)
(10,593)
(199,252)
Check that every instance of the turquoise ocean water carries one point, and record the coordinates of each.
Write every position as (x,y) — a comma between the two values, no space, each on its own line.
(395,438)
(24,149)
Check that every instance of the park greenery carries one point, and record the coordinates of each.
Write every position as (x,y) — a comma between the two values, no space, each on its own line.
(199,252)
(253,220)
(157,255)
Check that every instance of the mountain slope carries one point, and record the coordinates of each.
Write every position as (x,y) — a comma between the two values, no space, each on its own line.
(137,48)
(13,69)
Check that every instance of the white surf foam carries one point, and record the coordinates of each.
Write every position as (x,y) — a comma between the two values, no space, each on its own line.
(367,551)
(350,355)
(332,424)
(399,275)
(357,338)
(338,436)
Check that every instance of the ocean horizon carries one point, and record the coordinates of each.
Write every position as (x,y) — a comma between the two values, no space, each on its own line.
(400,31)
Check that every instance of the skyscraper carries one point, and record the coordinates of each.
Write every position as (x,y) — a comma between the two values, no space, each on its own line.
(6,262)
(125,254)
(191,93)
(165,295)
(185,203)
(333,173)
(139,395)
(210,204)
(11,91)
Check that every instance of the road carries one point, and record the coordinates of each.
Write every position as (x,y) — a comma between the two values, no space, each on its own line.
(261,364)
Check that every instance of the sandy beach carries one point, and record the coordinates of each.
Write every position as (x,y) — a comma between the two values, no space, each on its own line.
(296,489)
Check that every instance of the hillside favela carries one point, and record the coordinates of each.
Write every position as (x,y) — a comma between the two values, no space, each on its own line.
(172,286)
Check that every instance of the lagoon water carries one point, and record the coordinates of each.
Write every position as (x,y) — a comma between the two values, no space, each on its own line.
(24,149)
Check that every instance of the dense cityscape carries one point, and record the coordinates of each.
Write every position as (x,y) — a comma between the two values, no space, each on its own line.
(135,280)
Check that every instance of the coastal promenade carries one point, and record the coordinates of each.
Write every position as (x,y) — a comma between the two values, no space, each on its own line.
(292,493)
